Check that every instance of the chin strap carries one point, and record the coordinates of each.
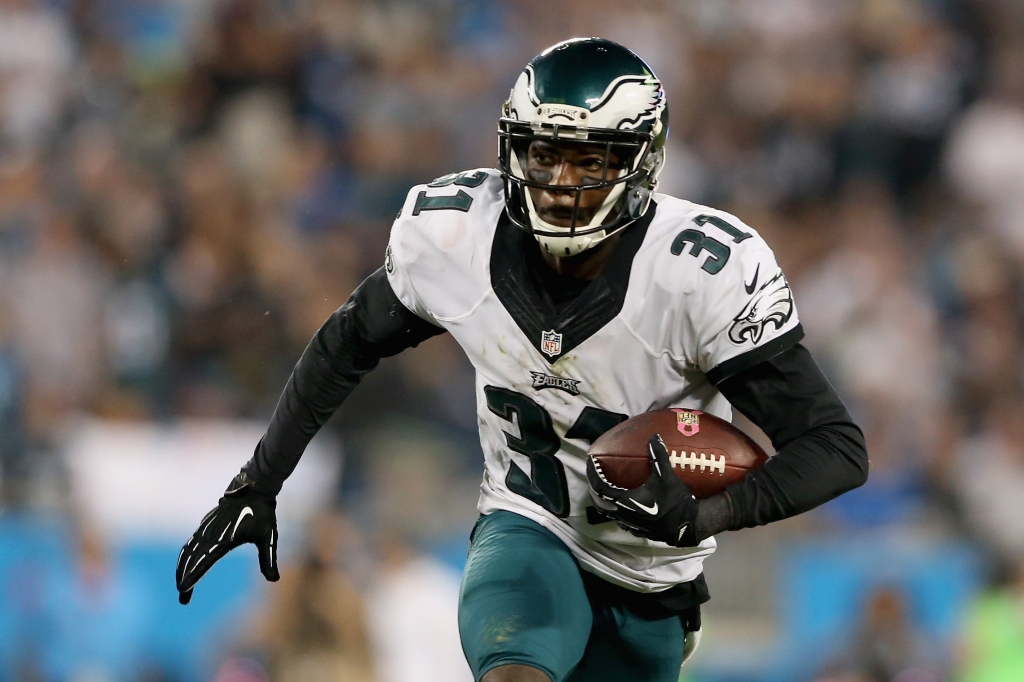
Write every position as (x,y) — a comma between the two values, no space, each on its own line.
(570,246)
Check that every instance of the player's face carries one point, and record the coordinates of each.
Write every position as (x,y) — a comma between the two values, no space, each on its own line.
(569,163)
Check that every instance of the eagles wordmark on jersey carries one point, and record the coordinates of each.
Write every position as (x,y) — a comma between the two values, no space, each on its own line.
(688,289)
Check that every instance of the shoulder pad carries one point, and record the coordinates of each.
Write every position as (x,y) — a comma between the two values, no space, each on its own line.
(720,279)
(439,240)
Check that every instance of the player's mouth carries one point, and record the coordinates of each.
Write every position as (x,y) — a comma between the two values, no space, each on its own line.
(561,216)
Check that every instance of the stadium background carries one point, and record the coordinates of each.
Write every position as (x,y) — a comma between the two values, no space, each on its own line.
(189,187)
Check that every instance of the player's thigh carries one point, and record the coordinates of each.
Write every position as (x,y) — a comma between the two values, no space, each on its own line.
(626,646)
(522,599)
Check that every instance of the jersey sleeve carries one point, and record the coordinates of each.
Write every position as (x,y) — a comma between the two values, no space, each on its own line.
(747,312)
(820,451)
(404,247)
(436,260)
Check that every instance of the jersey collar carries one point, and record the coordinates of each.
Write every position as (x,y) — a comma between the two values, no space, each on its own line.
(554,333)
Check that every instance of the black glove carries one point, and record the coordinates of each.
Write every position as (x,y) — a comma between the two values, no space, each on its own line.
(244,514)
(662,509)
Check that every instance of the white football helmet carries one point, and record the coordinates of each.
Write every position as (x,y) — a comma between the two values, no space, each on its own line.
(585,90)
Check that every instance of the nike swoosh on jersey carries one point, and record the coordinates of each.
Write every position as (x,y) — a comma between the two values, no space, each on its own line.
(652,510)
(246,511)
(750,287)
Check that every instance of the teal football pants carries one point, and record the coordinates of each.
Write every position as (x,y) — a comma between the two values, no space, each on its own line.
(524,600)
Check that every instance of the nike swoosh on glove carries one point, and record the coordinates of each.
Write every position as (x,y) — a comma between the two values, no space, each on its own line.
(662,509)
(244,514)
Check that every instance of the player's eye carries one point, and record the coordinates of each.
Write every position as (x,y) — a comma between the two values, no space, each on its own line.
(542,158)
(592,164)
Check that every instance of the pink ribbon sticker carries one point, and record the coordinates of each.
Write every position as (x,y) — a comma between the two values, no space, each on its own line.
(687,421)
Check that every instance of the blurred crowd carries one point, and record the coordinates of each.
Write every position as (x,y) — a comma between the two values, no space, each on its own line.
(188,188)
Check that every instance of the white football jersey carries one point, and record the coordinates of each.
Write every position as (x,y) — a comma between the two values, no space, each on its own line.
(689,293)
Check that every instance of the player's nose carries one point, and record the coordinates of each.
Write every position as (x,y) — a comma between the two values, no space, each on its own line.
(564,174)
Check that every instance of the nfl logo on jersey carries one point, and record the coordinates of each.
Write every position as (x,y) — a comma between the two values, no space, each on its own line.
(551,343)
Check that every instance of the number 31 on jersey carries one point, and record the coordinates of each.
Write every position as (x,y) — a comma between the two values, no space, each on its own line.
(546,484)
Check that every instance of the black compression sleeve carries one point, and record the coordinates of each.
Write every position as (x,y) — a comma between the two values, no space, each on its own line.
(820,452)
(372,324)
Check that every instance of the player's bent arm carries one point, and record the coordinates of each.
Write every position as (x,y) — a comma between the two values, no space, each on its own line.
(820,451)
(373,324)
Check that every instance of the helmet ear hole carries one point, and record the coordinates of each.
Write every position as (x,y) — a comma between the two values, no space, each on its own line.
(655,160)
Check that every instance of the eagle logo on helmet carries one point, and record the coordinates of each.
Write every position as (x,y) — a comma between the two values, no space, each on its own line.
(627,103)
(772,304)
(627,94)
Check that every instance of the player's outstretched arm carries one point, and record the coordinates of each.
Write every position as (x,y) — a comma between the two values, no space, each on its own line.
(372,324)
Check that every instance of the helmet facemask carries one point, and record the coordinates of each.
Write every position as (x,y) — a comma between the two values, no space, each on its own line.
(629,171)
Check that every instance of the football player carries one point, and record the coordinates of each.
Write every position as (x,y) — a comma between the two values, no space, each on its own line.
(582,297)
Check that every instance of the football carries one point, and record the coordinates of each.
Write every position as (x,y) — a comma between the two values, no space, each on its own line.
(707,452)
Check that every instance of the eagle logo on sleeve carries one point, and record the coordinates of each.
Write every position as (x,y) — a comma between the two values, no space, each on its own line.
(772,304)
